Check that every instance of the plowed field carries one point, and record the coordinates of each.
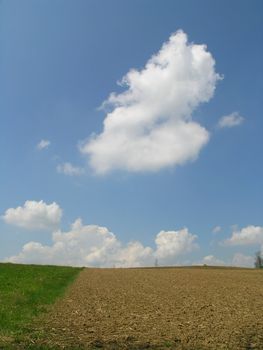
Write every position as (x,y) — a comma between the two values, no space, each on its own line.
(161,308)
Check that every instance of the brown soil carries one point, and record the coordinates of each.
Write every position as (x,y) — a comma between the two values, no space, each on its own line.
(161,308)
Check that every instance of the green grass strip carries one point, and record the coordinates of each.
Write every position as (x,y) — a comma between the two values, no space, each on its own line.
(28,290)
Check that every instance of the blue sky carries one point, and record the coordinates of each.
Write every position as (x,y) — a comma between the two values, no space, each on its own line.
(60,60)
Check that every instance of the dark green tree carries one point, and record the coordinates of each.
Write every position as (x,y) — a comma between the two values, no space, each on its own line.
(258,260)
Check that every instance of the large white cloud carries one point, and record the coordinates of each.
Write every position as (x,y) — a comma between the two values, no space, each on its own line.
(250,235)
(91,245)
(150,125)
(34,215)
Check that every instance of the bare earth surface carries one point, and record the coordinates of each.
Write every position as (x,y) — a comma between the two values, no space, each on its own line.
(161,308)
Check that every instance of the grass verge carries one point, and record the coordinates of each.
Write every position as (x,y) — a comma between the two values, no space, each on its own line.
(25,292)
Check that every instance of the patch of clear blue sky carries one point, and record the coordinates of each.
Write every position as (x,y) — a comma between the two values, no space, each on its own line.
(60,59)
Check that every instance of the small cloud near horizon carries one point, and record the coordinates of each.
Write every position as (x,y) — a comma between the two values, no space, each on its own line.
(238,260)
(249,235)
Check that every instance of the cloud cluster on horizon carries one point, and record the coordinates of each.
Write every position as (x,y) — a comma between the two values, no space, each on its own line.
(150,125)
(238,260)
(92,245)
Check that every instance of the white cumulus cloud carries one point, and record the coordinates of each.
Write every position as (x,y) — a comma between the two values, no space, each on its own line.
(43,144)
(171,243)
(69,169)
(249,235)
(231,120)
(92,245)
(150,125)
(34,215)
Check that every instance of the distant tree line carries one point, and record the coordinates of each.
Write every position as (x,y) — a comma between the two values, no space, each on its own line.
(258,260)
